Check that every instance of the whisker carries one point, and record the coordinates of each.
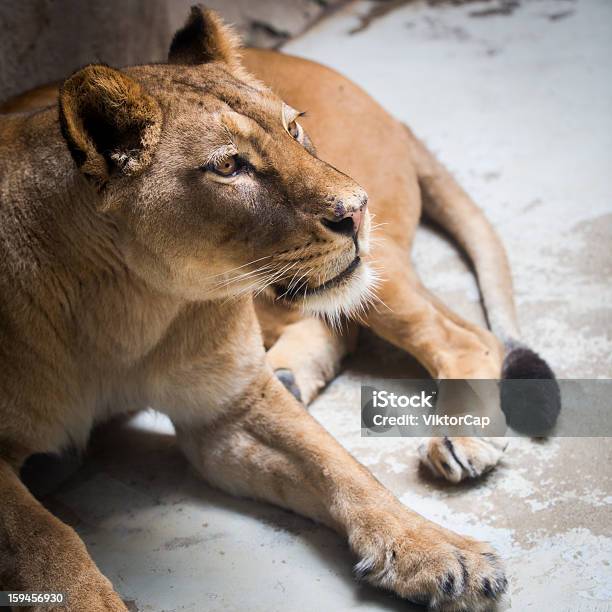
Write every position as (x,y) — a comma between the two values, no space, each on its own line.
(238,267)
(292,288)
(276,277)
(240,277)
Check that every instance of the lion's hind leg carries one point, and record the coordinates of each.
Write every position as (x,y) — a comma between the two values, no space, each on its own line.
(451,207)
(449,347)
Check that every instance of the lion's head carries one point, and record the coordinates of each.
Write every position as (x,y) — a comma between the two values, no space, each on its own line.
(215,187)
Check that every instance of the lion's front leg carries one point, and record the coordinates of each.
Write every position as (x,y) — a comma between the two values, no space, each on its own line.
(269,448)
(39,553)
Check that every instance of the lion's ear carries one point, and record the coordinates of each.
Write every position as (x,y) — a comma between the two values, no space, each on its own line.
(204,38)
(110,123)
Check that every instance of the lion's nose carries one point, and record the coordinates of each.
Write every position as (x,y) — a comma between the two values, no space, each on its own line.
(357,216)
(347,221)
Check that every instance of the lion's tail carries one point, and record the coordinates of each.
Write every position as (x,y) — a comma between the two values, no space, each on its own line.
(452,208)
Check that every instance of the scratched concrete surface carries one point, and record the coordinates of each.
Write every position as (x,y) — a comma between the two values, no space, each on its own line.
(516,99)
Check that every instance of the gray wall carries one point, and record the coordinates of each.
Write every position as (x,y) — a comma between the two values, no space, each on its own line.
(46,40)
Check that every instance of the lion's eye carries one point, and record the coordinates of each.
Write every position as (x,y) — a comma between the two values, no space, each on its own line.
(226,167)
(294,129)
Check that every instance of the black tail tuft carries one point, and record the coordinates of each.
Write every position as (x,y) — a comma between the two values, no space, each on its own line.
(530,395)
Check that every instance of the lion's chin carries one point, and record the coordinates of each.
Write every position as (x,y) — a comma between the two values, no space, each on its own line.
(348,298)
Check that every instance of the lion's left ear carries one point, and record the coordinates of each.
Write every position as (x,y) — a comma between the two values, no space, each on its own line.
(204,38)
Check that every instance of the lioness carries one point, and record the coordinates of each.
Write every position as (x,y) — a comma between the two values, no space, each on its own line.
(139,218)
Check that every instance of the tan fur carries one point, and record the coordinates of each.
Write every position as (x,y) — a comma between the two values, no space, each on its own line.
(127,284)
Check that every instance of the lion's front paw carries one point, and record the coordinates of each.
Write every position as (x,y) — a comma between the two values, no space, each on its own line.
(459,458)
(434,567)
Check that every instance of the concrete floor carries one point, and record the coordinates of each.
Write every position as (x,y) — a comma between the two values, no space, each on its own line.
(517,103)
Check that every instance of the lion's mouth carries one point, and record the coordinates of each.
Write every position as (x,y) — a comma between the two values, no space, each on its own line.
(302,292)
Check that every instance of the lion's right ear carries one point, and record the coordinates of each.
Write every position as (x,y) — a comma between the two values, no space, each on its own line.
(110,123)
